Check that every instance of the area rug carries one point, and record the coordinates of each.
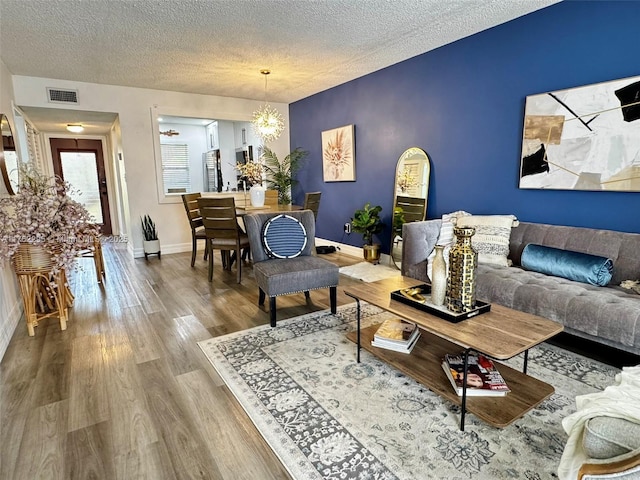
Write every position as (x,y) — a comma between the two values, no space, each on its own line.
(328,417)
(368,272)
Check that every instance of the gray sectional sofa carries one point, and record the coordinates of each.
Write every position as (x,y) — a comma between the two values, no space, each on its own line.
(609,315)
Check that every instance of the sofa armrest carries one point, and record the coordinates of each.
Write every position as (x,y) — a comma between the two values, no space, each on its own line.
(418,240)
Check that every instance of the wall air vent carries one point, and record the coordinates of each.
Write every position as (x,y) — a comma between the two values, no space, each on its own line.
(58,95)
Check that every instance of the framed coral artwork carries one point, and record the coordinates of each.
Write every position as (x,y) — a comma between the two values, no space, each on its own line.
(338,154)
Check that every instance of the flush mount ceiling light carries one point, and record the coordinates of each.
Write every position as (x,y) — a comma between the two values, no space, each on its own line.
(75,127)
(267,121)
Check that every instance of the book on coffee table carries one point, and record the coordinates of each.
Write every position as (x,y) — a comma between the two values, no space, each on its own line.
(397,335)
(484,378)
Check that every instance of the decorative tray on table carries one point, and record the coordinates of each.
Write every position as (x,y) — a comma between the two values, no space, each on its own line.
(420,298)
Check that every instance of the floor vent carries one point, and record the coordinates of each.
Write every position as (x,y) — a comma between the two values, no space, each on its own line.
(57,95)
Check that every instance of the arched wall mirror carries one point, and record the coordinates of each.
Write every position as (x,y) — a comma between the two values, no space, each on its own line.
(411,190)
(8,157)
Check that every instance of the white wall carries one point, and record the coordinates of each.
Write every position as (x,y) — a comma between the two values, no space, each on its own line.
(10,299)
(134,107)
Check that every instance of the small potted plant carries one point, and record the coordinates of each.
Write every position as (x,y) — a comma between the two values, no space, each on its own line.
(367,222)
(151,243)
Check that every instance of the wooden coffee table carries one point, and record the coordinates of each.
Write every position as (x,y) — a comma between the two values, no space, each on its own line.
(501,333)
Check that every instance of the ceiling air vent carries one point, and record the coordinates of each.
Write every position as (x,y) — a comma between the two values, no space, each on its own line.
(58,95)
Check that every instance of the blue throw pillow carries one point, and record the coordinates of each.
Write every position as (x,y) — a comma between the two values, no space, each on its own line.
(283,237)
(581,267)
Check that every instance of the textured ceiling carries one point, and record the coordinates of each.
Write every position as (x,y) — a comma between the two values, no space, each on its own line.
(218,47)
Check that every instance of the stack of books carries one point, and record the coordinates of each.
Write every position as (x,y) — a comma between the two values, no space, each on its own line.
(397,335)
(483,377)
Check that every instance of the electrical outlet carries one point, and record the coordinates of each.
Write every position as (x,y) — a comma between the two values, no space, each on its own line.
(347,228)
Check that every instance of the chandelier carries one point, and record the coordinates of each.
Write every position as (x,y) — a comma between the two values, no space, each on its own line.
(267,121)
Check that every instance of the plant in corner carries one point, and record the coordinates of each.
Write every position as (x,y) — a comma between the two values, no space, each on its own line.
(280,173)
(367,222)
(151,242)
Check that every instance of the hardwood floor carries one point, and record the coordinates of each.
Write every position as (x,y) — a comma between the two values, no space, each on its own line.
(125,392)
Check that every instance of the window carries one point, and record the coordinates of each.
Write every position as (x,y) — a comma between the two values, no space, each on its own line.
(175,167)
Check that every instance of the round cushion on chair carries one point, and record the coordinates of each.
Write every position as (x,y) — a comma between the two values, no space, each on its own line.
(284,236)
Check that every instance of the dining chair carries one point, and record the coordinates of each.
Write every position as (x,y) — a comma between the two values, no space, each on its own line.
(190,201)
(283,263)
(222,231)
(312,202)
(271,198)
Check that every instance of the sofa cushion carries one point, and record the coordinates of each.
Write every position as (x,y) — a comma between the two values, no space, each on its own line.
(282,276)
(621,247)
(607,314)
(581,267)
(491,239)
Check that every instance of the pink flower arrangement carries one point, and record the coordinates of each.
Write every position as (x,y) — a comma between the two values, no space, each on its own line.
(42,213)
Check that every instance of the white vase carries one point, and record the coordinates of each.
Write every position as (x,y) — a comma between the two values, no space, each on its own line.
(438,277)
(151,247)
(256,192)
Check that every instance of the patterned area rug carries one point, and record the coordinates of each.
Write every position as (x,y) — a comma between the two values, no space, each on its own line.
(368,272)
(328,417)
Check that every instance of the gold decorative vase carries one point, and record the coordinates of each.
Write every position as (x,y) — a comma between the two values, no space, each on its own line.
(463,260)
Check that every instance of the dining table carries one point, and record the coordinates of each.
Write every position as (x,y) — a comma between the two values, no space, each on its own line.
(242,211)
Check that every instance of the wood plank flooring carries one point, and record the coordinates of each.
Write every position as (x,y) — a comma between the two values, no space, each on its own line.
(125,392)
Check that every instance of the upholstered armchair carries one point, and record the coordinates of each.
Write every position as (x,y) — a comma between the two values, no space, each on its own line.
(281,249)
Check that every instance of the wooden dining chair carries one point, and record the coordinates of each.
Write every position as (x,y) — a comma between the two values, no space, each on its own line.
(190,201)
(312,202)
(271,198)
(222,231)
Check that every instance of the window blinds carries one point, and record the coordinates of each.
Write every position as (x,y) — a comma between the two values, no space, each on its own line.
(175,167)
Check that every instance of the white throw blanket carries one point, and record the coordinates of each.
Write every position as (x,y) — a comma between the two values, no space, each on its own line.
(621,400)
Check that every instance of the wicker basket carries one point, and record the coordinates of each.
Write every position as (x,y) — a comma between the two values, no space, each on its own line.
(31,258)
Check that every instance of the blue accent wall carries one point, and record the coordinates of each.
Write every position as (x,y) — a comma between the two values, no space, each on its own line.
(463,104)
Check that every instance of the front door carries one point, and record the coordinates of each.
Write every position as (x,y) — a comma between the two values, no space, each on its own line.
(81,163)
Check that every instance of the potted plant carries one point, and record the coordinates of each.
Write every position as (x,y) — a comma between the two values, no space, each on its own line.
(280,173)
(151,243)
(367,221)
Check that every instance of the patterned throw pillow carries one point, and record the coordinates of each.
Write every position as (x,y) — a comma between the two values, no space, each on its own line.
(491,239)
(446,238)
(283,237)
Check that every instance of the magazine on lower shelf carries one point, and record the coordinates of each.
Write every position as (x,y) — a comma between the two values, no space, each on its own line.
(483,380)
(396,334)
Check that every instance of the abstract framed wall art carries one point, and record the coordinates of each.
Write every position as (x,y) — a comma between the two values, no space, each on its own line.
(584,138)
(338,154)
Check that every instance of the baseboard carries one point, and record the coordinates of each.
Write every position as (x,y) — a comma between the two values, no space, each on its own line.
(14,313)
(342,247)
(165,249)
(353,251)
